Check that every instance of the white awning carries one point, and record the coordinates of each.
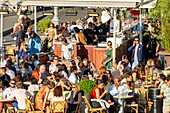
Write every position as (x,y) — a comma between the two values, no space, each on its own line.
(77,3)
(148,4)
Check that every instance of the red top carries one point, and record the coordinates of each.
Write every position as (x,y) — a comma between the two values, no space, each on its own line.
(93,94)
(35,74)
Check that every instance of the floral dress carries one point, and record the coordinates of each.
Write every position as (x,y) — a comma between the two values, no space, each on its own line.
(39,99)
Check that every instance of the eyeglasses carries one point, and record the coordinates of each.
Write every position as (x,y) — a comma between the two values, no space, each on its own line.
(55,59)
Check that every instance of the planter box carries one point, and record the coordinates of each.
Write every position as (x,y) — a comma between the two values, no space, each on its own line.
(167,57)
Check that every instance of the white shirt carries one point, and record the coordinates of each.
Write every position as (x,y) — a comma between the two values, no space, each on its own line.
(136,53)
(120,90)
(21,95)
(34,87)
(36,62)
(52,68)
(3,63)
(73,78)
(8,92)
(10,73)
(54,98)
(67,51)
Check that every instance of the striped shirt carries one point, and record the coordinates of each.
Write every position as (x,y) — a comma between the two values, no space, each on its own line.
(166,91)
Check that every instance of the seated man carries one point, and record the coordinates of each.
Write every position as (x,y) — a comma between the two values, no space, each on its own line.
(118,89)
(8,92)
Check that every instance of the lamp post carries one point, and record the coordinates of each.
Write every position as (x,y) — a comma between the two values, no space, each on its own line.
(3,11)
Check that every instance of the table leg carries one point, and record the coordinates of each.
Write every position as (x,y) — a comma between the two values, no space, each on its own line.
(123,103)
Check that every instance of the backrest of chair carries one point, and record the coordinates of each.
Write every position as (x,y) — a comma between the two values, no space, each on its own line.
(58,106)
(87,102)
(29,106)
(78,107)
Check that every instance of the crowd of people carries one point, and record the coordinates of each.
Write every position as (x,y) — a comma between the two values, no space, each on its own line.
(51,77)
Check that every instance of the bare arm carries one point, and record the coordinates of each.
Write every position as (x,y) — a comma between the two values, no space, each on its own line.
(79,99)
(46,96)
(98,96)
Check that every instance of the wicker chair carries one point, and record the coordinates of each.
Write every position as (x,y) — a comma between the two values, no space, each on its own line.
(58,106)
(30,108)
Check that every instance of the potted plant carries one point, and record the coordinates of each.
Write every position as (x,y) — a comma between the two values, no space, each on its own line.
(86,86)
(44,24)
(161,12)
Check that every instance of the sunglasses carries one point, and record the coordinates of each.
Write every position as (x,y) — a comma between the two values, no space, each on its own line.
(109,44)
(12,83)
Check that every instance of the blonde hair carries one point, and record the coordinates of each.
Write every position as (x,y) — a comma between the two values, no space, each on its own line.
(149,62)
(114,65)
(77,86)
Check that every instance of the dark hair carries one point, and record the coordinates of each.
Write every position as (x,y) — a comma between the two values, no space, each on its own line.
(55,56)
(34,81)
(3,69)
(64,68)
(2,84)
(124,56)
(76,29)
(73,63)
(105,78)
(59,66)
(64,40)
(19,84)
(99,82)
(58,91)
(35,56)
(162,76)
(73,23)
(137,37)
(73,68)
(168,78)
(109,42)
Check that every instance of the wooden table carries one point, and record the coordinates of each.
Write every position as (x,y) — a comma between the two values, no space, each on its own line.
(123,99)
(4,101)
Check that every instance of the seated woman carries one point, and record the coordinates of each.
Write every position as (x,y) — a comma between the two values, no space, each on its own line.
(58,94)
(34,86)
(97,93)
(74,97)
(42,95)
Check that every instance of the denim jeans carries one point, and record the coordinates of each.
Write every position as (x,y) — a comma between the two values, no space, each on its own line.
(134,64)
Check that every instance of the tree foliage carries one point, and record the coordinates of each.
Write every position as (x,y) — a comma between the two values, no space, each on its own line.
(162,12)
(44,24)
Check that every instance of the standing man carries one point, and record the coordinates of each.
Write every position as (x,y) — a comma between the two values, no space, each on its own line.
(137,53)
(26,21)
(66,50)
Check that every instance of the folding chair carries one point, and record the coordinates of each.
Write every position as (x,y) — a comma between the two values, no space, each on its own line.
(92,110)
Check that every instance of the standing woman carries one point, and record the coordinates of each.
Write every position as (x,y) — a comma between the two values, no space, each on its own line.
(81,39)
(109,56)
(74,97)
(52,32)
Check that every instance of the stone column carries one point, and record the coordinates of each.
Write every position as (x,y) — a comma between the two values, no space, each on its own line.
(55,19)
